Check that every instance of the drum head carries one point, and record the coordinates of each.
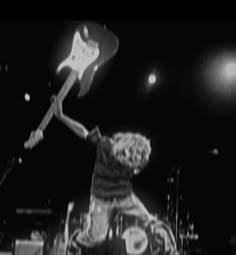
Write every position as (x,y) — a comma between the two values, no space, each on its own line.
(136,240)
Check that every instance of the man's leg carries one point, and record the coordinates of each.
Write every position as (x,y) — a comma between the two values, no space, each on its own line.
(97,223)
(133,206)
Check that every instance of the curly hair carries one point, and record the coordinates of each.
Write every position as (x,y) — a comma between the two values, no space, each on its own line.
(131,149)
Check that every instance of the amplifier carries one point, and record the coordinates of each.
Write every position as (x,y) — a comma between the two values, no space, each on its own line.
(28,247)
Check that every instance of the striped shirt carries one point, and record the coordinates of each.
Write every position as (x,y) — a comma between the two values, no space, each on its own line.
(110,178)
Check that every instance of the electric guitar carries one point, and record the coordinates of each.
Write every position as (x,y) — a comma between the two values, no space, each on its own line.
(93,45)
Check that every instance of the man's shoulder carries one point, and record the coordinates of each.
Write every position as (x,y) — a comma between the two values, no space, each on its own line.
(94,136)
(103,142)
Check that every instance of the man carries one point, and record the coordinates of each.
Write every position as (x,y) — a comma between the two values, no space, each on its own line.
(118,158)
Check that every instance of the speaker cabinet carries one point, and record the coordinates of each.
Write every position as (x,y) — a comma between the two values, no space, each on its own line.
(28,247)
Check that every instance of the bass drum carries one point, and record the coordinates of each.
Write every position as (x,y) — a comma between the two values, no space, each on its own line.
(138,238)
(155,238)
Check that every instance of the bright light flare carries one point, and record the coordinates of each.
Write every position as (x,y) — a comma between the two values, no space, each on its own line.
(220,74)
(27,97)
(152,79)
(230,70)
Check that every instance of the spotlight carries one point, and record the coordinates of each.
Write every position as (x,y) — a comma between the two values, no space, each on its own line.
(152,79)
(230,70)
(27,97)
(220,78)
(214,151)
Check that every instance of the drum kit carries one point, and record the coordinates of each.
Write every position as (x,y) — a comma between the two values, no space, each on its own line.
(127,235)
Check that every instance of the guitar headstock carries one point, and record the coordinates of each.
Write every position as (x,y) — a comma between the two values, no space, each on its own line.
(93,45)
(35,138)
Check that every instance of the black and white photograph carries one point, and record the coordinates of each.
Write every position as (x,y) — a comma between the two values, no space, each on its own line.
(118,137)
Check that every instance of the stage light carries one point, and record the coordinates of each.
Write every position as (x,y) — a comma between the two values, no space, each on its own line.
(230,70)
(27,97)
(148,80)
(220,77)
(152,79)
(214,151)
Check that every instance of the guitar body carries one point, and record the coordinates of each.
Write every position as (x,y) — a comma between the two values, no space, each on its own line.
(93,45)
(107,48)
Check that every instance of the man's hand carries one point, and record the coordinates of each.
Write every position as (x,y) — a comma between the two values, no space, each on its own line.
(70,207)
(57,105)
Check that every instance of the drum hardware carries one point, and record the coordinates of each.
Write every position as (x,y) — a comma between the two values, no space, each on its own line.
(188,239)
(9,167)
(173,209)
(177,207)
(184,230)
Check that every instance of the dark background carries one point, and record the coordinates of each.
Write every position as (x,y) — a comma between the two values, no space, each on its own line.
(183,122)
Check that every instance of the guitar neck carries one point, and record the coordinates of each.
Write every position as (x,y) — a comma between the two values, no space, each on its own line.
(60,96)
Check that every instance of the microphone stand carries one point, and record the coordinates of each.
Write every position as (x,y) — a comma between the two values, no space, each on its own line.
(169,209)
(177,207)
(173,208)
(175,181)
(174,216)
(9,167)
